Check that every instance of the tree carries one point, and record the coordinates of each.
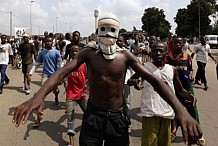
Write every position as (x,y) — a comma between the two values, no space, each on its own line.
(154,22)
(188,19)
(182,23)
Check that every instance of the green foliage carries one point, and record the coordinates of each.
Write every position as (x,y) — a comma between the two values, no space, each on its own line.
(183,22)
(154,22)
(187,19)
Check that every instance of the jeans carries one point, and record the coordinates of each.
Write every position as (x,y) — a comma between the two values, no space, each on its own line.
(71,106)
(3,68)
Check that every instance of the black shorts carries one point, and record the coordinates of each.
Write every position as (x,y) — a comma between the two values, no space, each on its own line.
(100,125)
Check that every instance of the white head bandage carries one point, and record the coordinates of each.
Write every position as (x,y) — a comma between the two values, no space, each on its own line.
(108,31)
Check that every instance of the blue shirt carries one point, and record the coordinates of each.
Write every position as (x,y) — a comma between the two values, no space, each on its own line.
(134,47)
(50,59)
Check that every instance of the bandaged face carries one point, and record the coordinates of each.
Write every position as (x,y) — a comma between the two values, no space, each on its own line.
(108,30)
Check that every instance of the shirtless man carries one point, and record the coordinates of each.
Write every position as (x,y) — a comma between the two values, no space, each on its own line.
(105,118)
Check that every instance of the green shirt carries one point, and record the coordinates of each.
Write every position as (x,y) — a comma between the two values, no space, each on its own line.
(26,50)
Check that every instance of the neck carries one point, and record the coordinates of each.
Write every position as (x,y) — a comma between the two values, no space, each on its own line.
(159,65)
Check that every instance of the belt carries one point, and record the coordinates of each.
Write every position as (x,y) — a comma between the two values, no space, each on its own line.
(104,112)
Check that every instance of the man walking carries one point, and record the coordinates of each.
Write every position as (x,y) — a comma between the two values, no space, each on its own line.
(27,51)
(5,51)
(202,51)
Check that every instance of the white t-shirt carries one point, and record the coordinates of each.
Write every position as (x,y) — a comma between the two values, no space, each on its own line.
(5,51)
(129,73)
(64,48)
(185,47)
(202,52)
(152,103)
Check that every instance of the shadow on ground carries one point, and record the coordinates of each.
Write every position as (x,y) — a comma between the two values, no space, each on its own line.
(54,129)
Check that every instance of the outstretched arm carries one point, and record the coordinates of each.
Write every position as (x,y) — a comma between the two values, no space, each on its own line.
(23,111)
(190,128)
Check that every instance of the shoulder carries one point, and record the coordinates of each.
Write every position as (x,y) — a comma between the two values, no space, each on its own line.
(207,46)
(82,45)
(88,52)
(8,44)
(147,64)
(198,45)
(30,44)
(43,51)
(55,50)
(129,56)
(168,66)
(21,44)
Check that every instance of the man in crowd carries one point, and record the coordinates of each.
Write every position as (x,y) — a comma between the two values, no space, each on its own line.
(202,50)
(106,68)
(5,52)
(27,52)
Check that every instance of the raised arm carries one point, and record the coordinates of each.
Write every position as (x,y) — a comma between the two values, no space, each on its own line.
(23,111)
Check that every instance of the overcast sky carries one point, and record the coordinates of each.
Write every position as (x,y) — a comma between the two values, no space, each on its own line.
(79,14)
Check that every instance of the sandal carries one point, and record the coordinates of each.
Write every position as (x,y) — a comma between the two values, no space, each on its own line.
(173,136)
(201,141)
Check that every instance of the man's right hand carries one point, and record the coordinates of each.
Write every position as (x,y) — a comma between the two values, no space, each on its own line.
(191,130)
(23,111)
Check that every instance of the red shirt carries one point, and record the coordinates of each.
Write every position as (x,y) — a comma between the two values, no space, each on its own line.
(170,46)
(77,83)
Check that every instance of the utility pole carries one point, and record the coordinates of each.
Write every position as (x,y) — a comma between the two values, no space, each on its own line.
(57,24)
(11,24)
(199,21)
(96,13)
(10,27)
(31,19)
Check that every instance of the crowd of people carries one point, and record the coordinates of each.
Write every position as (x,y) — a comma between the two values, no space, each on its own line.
(98,75)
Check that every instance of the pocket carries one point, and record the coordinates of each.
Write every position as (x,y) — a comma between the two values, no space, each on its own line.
(117,126)
(94,121)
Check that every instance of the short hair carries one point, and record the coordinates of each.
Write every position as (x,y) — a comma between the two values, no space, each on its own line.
(153,36)
(76,32)
(50,36)
(158,42)
(3,35)
(176,37)
(75,45)
(67,35)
